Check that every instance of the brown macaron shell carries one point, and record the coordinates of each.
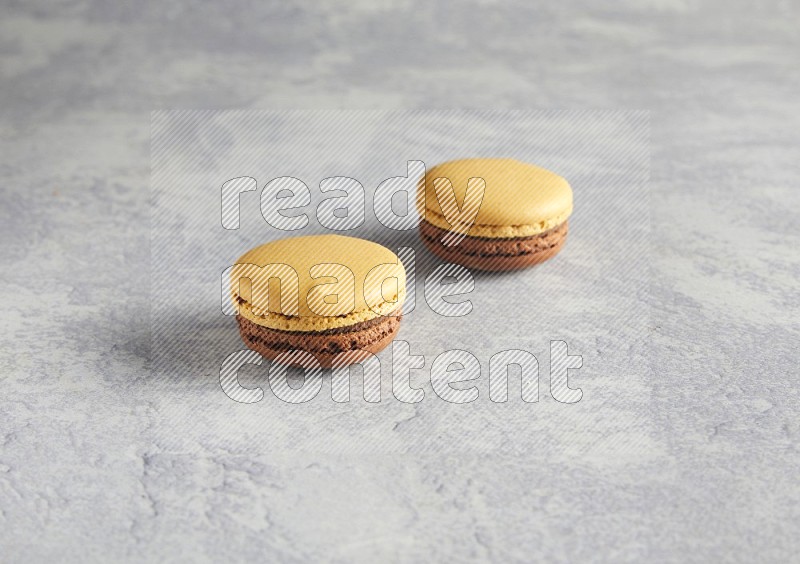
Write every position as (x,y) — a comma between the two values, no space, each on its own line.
(359,340)
(494,254)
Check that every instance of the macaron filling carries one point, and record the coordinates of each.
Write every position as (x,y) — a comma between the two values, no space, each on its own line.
(364,335)
(495,247)
(311,323)
(488,231)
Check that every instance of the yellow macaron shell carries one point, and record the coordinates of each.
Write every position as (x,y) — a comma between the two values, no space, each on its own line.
(339,281)
(520,199)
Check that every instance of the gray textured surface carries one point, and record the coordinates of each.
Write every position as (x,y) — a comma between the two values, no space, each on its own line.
(87,469)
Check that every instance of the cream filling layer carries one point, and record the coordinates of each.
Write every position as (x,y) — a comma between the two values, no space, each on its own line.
(283,322)
(500,231)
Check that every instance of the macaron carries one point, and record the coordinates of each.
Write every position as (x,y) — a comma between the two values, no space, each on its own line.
(337,298)
(521,220)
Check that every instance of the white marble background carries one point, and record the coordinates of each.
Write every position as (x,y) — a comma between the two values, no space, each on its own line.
(87,471)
